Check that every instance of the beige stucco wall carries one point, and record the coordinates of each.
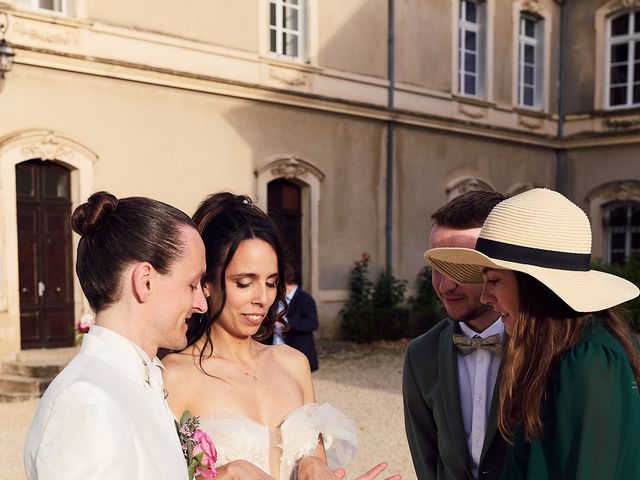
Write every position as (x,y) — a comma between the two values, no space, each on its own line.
(147,138)
(352,36)
(9,334)
(177,146)
(615,163)
(170,144)
(503,53)
(428,161)
(423,43)
(349,152)
(581,61)
(219,22)
(553,70)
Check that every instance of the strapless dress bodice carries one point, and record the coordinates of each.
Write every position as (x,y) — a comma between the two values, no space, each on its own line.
(240,438)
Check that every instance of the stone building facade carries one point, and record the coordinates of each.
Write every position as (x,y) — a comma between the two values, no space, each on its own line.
(303,105)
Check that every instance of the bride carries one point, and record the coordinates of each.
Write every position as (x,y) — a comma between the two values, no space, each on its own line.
(255,401)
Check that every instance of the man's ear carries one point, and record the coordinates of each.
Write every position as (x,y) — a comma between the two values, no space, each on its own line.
(141,277)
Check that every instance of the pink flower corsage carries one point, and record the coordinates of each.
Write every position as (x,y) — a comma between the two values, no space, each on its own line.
(197,447)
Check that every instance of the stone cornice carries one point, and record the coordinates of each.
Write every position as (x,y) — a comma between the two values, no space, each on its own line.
(64,46)
(616,5)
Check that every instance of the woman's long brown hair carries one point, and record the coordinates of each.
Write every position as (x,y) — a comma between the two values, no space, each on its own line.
(545,329)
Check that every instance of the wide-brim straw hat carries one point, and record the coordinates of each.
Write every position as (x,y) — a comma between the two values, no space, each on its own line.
(543,234)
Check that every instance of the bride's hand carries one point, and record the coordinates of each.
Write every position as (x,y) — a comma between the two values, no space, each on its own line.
(375,471)
(241,470)
(314,468)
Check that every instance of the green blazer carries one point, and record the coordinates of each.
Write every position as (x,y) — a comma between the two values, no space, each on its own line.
(433,418)
(591,418)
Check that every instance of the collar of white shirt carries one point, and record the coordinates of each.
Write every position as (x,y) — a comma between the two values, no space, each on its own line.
(128,357)
(291,293)
(496,327)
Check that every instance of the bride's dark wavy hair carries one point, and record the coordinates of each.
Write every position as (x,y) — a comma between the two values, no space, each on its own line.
(224,220)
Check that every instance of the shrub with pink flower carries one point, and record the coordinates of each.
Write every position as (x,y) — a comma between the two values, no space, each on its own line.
(197,447)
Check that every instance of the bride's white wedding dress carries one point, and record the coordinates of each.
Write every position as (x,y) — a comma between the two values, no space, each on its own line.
(240,438)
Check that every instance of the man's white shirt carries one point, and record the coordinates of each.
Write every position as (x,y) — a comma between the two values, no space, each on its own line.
(477,374)
(110,399)
(278,334)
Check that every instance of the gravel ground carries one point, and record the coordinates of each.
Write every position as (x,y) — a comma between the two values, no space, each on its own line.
(15,419)
(364,381)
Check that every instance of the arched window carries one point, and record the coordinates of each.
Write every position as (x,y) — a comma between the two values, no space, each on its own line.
(623,60)
(621,229)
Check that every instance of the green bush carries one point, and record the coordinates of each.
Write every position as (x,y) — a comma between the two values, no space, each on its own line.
(388,292)
(631,271)
(374,311)
(426,308)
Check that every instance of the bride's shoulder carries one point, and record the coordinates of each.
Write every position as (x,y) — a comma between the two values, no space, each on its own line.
(286,353)
(288,357)
(178,366)
(177,360)
(292,366)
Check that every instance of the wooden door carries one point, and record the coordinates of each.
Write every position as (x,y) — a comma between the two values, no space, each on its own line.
(44,255)
(284,207)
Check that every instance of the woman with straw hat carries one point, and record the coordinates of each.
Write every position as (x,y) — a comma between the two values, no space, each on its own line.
(569,399)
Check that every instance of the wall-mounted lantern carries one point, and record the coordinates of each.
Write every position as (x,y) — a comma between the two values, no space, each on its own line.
(6,52)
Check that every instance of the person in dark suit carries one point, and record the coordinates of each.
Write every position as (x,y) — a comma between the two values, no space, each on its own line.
(448,388)
(302,320)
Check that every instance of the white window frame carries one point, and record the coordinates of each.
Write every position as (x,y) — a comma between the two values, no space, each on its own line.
(59,6)
(537,43)
(633,41)
(280,30)
(480,29)
(627,229)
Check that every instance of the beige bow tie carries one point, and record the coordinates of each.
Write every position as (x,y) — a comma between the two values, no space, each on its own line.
(466,345)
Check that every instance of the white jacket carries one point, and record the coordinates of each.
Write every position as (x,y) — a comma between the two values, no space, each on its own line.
(105,417)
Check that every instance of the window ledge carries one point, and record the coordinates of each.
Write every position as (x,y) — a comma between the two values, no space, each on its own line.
(292,63)
(41,15)
(45,12)
(531,112)
(478,102)
(618,111)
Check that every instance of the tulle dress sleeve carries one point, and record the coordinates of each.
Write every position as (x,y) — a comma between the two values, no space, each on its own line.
(301,430)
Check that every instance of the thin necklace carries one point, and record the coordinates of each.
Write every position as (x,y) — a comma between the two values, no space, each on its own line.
(252,376)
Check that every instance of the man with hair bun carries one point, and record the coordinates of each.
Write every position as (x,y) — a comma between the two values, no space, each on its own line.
(449,376)
(140,263)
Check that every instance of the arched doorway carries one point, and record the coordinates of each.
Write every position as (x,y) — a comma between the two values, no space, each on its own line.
(43,201)
(307,178)
(284,205)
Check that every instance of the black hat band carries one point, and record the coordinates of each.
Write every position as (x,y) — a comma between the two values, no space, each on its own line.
(534,256)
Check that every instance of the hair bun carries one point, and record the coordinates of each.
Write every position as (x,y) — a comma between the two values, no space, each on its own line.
(89,216)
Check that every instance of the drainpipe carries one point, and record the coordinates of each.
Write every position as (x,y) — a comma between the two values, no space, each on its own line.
(390,138)
(561,154)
